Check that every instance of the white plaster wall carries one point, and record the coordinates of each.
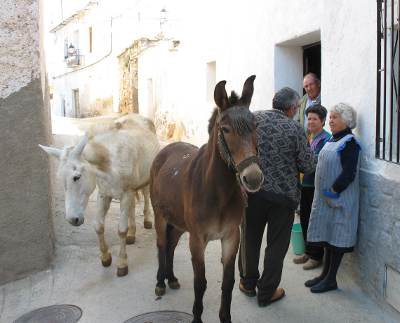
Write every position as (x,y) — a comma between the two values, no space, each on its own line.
(349,68)
(241,37)
(19,40)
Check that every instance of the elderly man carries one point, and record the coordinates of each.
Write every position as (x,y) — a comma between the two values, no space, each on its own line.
(284,151)
(312,86)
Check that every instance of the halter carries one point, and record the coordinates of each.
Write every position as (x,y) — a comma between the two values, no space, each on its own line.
(228,159)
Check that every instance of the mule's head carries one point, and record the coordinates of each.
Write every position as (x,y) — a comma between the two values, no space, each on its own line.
(235,129)
(78,177)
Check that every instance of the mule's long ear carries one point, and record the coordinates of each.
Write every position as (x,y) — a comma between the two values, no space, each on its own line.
(77,151)
(248,89)
(220,96)
(56,152)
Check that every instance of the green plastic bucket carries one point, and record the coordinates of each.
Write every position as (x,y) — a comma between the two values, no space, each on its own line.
(297,239)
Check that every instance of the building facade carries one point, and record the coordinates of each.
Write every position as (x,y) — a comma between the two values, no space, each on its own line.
(85,40)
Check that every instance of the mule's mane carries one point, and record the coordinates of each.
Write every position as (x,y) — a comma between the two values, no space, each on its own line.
(211,122)
(241,118)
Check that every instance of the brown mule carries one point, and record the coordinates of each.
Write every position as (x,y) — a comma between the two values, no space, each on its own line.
(203,191)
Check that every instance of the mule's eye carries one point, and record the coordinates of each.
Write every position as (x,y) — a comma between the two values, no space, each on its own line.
(225,130)
(76,178)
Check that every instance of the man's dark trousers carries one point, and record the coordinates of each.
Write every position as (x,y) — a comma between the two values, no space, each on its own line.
(279,217)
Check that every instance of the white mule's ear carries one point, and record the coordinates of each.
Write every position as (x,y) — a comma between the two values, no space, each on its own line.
(56,152)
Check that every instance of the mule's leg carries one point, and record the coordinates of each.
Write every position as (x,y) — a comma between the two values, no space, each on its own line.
(131,236)
(103,205)
(230,245)
(173,236)
(126,208)
(197,248)
(147,209)
(161,230)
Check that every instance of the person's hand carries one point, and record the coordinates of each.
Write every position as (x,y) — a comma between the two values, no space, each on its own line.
(331,198)
(331,194)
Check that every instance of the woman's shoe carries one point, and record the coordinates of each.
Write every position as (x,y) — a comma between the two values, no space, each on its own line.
(312,264)
(313,282)
(324,286)
(301,259)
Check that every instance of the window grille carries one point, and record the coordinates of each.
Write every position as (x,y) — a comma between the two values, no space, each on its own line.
(388,86)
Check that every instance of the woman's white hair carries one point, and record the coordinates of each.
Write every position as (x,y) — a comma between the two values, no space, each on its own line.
(347,113)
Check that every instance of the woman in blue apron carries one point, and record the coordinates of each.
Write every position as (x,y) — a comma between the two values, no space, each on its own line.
(334,213)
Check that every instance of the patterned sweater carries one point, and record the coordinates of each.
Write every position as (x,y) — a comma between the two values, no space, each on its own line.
(284,152)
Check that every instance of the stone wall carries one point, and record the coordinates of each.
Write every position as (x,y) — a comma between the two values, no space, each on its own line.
(128,70)
(378,234)
(128,63)
(26,234)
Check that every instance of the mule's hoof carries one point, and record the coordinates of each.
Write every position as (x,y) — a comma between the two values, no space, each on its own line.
(130,239)
(174,284)
(122,271)
(106,262)
(148,224)
(160,291)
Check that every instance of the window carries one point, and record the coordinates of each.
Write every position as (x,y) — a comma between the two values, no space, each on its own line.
(90,39)
(388,86)
(211,80)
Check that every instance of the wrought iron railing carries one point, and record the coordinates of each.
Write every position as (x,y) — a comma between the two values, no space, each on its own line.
(387,144)
(74,59)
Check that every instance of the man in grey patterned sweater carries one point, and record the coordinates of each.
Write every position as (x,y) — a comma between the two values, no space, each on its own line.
(284,152)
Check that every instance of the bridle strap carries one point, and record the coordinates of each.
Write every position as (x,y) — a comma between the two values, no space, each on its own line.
(228,159)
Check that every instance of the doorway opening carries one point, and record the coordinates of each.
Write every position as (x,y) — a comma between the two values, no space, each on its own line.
(76,108)
(312,59)
(296,57)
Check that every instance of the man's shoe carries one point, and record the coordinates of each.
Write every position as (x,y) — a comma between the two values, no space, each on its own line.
(313,282)
(301,259)
(278,295)
(247,291)
(312,264)
(324,286)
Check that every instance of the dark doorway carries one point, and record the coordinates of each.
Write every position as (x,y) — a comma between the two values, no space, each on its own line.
(312,59)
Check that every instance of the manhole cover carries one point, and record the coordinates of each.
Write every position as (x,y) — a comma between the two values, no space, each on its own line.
(52,314)
(162,317)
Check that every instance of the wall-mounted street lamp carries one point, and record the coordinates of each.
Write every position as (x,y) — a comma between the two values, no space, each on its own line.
(163,17)
(71,50)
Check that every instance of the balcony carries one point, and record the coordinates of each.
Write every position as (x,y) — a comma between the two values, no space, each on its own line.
(74,58)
